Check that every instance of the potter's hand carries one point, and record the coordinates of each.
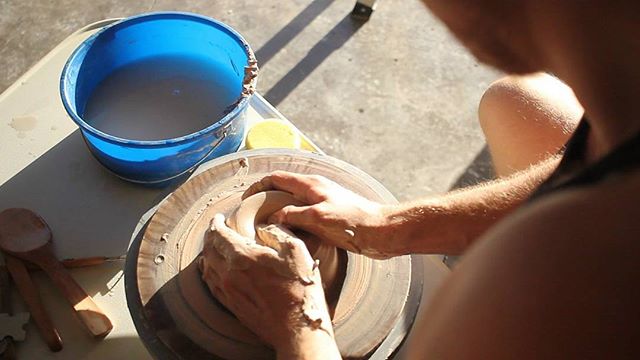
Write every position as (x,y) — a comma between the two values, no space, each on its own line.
(274,290)
(335,214)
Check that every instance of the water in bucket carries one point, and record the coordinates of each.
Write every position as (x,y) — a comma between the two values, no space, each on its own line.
(162,97)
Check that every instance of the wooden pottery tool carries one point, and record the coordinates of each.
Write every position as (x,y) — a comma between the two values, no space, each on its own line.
(11,325)
(31,297)
(89,261)
(184,320)
(74,263)
(26,236)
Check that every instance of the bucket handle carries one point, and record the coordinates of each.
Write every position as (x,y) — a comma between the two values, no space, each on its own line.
(221,134)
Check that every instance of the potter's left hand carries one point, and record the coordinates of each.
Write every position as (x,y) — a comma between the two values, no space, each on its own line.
(274,290)
(333,213)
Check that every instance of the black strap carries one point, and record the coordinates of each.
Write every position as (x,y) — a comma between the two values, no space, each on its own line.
(572,172)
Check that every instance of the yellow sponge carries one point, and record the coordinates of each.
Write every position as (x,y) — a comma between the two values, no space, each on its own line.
(273,133)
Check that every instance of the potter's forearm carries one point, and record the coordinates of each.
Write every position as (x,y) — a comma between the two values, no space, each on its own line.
(310,344)
(448,224)
(311,334)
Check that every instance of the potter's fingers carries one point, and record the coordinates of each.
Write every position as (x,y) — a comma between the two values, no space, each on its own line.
(221,233)
(201,263)
(306,188)
(214,261)
(211,238)
(263,185)
(237,250)
(229,244)
(302,217)
(286,242)
(218,225)
(209,248)
(217,292)
(273,235)
(209,235)
(211,259)
(210,276)
(278,180)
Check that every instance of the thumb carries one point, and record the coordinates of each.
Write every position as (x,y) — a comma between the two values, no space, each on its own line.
(273,236)
(294,216)
(289,247)
(280,238)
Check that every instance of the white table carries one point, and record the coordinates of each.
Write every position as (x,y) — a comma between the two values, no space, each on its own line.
(46,167)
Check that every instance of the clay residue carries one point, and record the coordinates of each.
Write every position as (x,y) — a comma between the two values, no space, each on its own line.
(313,316)
(250,73)
(22,124)
(249,80)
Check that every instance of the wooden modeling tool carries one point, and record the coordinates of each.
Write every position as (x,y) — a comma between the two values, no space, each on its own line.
(26,236)
(74,263)
(11,325)
(31,297)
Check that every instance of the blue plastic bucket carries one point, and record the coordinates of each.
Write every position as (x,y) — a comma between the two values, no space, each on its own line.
(136,40)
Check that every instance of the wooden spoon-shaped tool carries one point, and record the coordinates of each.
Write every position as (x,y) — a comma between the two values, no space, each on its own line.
(31,297)
(25,235)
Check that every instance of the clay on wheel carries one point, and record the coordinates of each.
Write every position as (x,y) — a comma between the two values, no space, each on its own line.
(257,208)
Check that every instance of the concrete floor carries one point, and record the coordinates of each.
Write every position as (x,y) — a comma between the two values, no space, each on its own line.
(395,96)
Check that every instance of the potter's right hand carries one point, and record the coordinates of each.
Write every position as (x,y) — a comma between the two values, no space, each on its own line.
(274,290)
(336,215)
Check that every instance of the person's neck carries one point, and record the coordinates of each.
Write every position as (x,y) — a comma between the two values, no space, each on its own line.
(609,97)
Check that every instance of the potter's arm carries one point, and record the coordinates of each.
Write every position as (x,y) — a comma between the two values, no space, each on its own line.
(445,224)
(309,344)
(450,223)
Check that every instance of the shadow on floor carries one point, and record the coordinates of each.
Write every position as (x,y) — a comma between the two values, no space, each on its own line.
(479,170)
(331,42)
(291,30)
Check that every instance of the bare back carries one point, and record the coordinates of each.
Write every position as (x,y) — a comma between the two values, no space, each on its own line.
(558,279)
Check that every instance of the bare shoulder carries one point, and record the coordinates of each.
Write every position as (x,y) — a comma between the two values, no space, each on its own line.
(558,279)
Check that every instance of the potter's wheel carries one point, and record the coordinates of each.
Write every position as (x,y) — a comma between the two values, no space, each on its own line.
(178,318)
